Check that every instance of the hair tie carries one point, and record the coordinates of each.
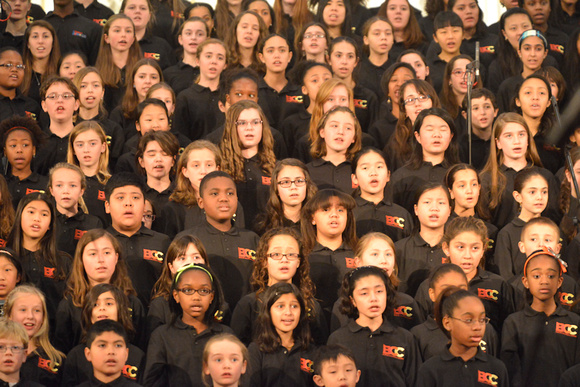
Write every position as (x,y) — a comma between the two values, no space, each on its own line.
(529,33)
(549,252)
(190,267)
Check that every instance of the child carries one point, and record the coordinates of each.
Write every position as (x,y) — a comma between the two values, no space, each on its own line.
(365,295)
(378,38)
(162,91)
(311,43)
(335,15)
(196,302)
(14,342)
(143,249)
(225,361)
(337,138)
(373,212)
(21,137)
(11,275)
(329,237)
(67,185)
(281,352)
(26,305)
(107,351)
(454,88)
(70,63)
(448,35)
(334,366)
(246,30)
(543,332)
(419,63)
(461,316)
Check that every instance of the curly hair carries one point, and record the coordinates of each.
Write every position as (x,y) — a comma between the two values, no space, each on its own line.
(349,282)
(7,213)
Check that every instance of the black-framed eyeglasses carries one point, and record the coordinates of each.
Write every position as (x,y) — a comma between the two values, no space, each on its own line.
(190,292)
(289,256)
(419,98)
(10,66)
(472,321)
(287,183)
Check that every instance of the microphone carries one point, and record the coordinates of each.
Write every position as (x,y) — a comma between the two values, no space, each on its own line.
(477,61)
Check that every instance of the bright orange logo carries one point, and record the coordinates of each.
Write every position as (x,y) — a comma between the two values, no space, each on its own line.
(79,234)
(306,365)
(153,255)
(49,272)
(395,221)
(248,254)
(487,294)
(350,263)
(394,352)
(266,180)
(487,378)
(567,329)
(130,372)
(151,55)
(403,311)
(566,298)
(46,365)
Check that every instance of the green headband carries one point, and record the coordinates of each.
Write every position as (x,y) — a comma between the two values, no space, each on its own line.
(191,266)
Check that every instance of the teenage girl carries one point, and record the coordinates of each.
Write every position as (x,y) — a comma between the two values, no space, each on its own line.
(225,361)
(247,149)
(334,144)
(328,231)
(103,301)
(196,300)
(418,61)
(163,92)
(282,342)
(406,31)
(540,334)
(462,317)
(365,295)
(263,9)
(370,173)
(279,259)
(27,306)
(225,12)
(312,43)
(246,31)
(205,12)
(335,15)
(454,87)
(67,184)
(117,56)
(292,17)
(191,34)
(97,260)
(435,150)
(70,63)
(11,275)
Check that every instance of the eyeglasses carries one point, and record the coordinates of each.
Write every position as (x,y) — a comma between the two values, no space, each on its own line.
(55,96)
(149,217)
(9,66)
(190,292)
(419,98)
(286,183)
(472,321)
(252,123)
(289,256)
(458,73)
(15,349)
(314,36)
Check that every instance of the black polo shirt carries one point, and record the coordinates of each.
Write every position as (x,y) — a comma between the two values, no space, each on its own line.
(53,151)
(144,254)
(327,175)
(281,368)
(154,47)
(508,256)
(386,217)
(383,129)
(159,314)
(369,75)
(38,368)
(9,40)
(557,40)
(77,33)
(507,91)
(127,124)
(94,198)
(366,107)
(97,12)
(71,229)
(114,135)
(537,348)
(479,150)
(571,378)
(389,353)
(436,71)
(294,127)
(448,370)
(279,105)
(197,112)
(20,105)
(127,163)
(254,192)
(20,188)
(180,76)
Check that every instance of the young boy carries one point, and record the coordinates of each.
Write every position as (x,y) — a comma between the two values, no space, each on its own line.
(448,35)
(13,345)
(107,351)
(335,366)
(483,113)
(143,249)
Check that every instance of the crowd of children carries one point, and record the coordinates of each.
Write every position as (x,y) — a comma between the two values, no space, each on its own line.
(289,194)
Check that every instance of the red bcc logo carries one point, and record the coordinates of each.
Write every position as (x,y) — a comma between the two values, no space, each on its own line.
(306,365)
(394,352)
(404,311)
(248,254)
(350,263)
(46,364)
(567,329)
(395,221)
(487,378)
(153,255)
(49,272)
(79,234)
(566,298)
(487,294)
(130,372)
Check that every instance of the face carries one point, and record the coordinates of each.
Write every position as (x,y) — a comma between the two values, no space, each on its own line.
(192,35)
(338,97)
(467,309)
(191,255)
(339,373)
(445,281)
(284,269)
(105,308)
(400,76)
(121,35)
(434,136)
(108,353)
(543,278)
(449,38)
(314,41)
(534,98)
(372,174)
(212,61)
(539,10)
(468,11)
(148,215)
(219,199)
(262,9)
(100,260)
(339,133)
(71,64)
(139,12)
(225,363)
(420,102)
(126,206)
(465,189)
(19,149)
(378,253)
(276,54)
(313,79)
(331,222)
(153,118)
(482,113)
(9,277)
(40,42)
(249,127)
(285,313)
(167,98)
(398,13)
(248,31)
(194,306)
(369,297)
(421,68)
(35,220)
(91,91)
(433,208)
(514,27)
(534,195)
(205,14)
(19,9)
(458,79)
(88,148)
(66,189)
(155,161)
(513,141)
(60,109)
(532,53)
(334,13)
(343,60)
(200,163)
(28,312)
(242,89)
(465,251)
(145,77)
(11,362)
(294,195)
(538,236)
(11,78)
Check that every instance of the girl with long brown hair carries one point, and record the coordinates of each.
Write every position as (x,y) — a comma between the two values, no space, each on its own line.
(243,38)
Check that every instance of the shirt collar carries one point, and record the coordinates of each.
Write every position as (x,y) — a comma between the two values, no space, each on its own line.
(448,356)
(385,327)
(319,247)
(560,311)
(360,202)
(212,230)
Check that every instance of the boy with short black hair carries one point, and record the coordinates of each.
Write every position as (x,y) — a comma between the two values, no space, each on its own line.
(448,35)
(143,249)
(334,366)
(107,351)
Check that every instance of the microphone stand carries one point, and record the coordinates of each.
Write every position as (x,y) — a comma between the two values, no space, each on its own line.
(471,69)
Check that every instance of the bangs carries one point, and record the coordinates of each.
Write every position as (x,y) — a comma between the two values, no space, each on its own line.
(327,197)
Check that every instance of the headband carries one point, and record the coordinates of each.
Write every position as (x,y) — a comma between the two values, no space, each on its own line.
(547,252)
(191,266)
(537,33)
(17,128)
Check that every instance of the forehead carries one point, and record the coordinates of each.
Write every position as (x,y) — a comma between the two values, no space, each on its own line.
(545,229)
(11,55)
(214,47)
(66,173)
(544,262)
(244,84)
(125,189)
(122,22)
(146,69)
(153,109)
(58,86)
(19,134)
(195,276)
(39,30)
(38,204)
(219,182)
(249,18)
(275,41)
